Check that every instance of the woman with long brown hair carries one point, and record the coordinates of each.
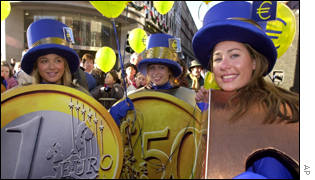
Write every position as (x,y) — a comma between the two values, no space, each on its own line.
(239,53)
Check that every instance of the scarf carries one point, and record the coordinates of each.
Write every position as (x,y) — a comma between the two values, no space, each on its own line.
(164,86)
(195,83)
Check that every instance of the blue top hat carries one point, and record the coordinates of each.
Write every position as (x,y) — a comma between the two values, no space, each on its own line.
(231,21)
(47,36)
(160,50)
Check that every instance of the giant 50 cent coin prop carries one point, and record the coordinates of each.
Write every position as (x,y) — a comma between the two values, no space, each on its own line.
(161,138)
(52,131)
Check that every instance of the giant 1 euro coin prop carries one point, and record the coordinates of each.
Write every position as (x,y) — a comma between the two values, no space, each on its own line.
(53,131)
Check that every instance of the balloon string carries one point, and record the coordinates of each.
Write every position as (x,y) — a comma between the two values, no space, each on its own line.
(126,39)
(123,75)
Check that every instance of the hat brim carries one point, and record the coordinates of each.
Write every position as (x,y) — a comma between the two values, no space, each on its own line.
(232,30)
(194,66)
(174,66)
(31,56)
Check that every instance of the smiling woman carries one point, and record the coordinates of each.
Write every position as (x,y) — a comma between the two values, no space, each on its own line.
(51,68)
(160,66)
(239,53)
(232,65)
(158,74)
(50,60)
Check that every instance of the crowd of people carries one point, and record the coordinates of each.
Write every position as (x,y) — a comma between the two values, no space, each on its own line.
(107,88)
(239,60)
(93,79)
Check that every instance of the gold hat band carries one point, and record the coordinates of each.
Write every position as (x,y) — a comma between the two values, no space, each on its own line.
(160,53)
(51,40)
(246,20)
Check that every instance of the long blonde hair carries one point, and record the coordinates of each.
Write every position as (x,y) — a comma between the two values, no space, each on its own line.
(279,104)
(65,80)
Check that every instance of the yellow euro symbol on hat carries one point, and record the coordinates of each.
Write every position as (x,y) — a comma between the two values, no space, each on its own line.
(174,45)
(263,10)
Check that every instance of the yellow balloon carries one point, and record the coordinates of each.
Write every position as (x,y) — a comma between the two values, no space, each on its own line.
(210,82)
(110,9)
(105,58)
(163,6)
(137,39)
(206,2)
(5,9)
(282,30)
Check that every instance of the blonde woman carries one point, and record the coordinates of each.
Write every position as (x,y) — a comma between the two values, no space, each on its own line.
(49,59)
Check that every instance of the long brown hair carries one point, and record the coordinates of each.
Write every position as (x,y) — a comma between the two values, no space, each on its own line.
(65,80)
(279,104)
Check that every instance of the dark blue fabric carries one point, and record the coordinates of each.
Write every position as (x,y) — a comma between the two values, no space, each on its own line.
(5,83)
(249,175)
(165,86)
(90,81)
(42,29)
(271,168)
(120,110)
(268,167)
(47,83)
(159,40)
(202,106)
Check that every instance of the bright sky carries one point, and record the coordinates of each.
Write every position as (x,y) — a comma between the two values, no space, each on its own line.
(194,8)
(198,9)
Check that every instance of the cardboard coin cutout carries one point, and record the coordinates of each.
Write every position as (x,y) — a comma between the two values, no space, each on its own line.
(53,131)
(162,141)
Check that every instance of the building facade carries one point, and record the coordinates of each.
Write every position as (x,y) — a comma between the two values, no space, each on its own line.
(91,29)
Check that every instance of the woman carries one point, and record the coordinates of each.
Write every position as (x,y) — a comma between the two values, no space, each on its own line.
(88,62)
(50,60)
(131,71)
(51,69)
(239,53)
(141,80)
(110,89)
(160,66)
(239,68)
(7,74)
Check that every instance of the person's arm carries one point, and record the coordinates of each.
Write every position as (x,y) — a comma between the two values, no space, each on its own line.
(270,164)
(201,98)
(266,168)
(96,92)
(12,82)
(118,91)
(120,110)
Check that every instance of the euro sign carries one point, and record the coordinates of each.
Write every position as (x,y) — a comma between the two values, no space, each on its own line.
(264,10)
(274,31)
(282,30)
(174,44)
(68,34)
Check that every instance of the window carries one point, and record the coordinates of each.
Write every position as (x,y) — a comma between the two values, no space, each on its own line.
(87,31)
